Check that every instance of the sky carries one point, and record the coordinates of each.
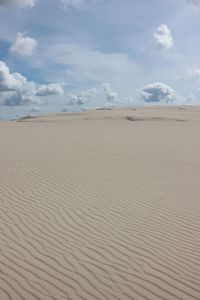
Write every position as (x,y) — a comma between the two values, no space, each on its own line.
(71,55)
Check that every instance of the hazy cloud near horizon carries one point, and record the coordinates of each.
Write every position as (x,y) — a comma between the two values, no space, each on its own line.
(54,53)
(83,97)
(111,96)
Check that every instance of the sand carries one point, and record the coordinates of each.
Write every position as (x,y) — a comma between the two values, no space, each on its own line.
(102,204)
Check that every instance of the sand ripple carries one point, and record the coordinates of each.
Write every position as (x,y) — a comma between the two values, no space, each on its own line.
(101,208)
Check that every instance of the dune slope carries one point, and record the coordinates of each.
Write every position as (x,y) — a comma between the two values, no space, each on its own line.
(101,205)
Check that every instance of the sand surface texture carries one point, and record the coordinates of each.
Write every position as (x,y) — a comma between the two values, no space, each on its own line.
(101,205)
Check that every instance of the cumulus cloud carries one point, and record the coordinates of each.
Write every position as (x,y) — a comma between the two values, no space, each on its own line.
(22,3)
(111,96)
(83,97)
(163,37)
(50,89)
(17,90)
(24,45)
(159,92)
(21,97)
(10,82)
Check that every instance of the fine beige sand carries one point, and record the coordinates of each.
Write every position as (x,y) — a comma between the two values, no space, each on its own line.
(102,204)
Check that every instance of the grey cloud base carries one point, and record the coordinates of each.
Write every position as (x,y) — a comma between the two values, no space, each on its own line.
(22,3)
(17,90)
(50,89)
(31,3)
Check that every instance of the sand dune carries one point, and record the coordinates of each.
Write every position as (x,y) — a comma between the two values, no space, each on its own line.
(102,204)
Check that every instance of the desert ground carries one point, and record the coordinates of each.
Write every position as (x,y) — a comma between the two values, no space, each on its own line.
(102,204)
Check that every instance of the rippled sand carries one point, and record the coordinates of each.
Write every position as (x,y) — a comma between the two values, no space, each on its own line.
(101,205)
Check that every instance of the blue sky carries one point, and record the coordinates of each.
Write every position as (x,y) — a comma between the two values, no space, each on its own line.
(76,54)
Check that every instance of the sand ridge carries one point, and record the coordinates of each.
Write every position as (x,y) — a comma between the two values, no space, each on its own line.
(101,205)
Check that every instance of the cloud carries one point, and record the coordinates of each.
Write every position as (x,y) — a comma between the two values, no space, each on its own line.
(195,71)
(75,3)
(83,97)
(10,82)
(24,45)
(159,92)
(65,110)
(21,97)
(31,3)
(72,3)
(35,109)
(191,98)
(50,89)
(194,2)
(85,64)
(22,3)
(17,90)
(20,93)
(163,37)
(111,96)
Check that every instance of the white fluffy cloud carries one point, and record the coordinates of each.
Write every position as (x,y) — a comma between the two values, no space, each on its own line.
(163,37)
(22,3)
(159,92)
(111,96)
(24,45)
(16,90)
(50,89)
(10,82)
(15,87)
(83,97)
